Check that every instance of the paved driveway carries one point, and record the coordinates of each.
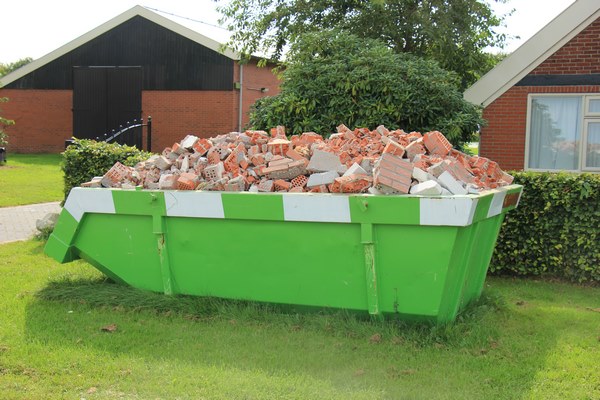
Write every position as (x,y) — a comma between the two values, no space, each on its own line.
(18,223)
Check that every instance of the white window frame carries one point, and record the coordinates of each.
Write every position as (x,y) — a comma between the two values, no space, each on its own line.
(588,99)
(584,138)
(585,117)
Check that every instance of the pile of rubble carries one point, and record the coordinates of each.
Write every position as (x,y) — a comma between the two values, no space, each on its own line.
(379,162)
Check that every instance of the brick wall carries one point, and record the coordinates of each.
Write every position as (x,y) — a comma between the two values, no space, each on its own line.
(43,119)
(503,139)
(580,55)
(255,78)
(178,113)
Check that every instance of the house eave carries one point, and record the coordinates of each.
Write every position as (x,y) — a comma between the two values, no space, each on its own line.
(533,52)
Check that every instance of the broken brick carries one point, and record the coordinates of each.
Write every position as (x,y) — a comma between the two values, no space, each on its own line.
(414,148)
(299,181)
(436,143)
(265,186)
(354,183)
(394,148)
(279,146)
(393,174)
(115,175)
(186,181)
(202,146)
(281,185)
(378,161)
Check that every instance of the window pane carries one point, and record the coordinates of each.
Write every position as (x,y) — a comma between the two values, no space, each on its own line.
(594,106)
(592,152)
(555,132)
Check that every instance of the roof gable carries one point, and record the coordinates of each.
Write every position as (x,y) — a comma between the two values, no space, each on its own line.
(108,26)
(533,52)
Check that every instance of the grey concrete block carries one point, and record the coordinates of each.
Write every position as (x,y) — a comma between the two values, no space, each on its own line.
(356,169)
(323,161)
(321,178)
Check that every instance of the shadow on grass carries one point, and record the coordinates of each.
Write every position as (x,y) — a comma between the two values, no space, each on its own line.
(106,295)
(482,347)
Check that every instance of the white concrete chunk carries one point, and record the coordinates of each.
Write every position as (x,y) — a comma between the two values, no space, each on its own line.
(420,175)
(437,169)
(189,141)
(185,164)
(427,188)
(374,190)
(448,181)
(356,169)
(321,178)
(162,163)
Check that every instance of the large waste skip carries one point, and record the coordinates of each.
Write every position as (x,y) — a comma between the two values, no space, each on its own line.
(418,257)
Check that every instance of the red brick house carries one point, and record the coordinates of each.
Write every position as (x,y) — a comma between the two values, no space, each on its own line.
(542,102)
(138,64)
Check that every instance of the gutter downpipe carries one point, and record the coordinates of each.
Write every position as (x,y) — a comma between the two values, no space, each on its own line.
(241,97)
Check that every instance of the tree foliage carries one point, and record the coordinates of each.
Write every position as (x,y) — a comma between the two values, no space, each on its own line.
(453,32)
(4,70)
(335,78)
(7,68)
(4,123)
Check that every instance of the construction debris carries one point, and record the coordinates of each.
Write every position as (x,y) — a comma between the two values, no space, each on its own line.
(359,161)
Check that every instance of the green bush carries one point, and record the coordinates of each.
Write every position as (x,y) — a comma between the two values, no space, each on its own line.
(85,159)
(4,123)
(555,231)
(332,78)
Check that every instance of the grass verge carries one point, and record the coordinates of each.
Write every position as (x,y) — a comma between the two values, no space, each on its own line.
(30,179)
(66,332)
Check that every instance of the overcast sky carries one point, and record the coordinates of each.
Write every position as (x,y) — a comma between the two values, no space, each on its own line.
(35,28)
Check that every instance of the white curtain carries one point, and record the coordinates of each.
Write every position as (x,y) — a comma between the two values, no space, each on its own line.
(555,132)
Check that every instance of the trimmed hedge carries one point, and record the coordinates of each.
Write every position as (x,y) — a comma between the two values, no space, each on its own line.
(555,231)
(85,159)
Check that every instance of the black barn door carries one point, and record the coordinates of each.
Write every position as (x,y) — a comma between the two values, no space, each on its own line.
(105,98)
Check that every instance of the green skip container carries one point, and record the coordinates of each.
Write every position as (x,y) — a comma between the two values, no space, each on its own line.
(417,257)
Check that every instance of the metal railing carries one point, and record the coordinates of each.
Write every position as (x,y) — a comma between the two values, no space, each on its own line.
(125,132)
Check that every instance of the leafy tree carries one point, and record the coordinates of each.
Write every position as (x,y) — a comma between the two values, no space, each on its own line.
(7,68)
(335,78)
(453,32)
(4,123)
(4,70)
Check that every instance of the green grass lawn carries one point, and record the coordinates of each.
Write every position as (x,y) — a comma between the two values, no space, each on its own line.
(473,148)
(524,340)
(30,179)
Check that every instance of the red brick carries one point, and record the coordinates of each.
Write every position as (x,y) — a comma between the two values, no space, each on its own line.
(414,148)
(394,148)
(437,143)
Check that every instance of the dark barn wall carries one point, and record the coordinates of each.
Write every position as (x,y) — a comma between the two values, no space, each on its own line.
(169,61)
(187,88)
